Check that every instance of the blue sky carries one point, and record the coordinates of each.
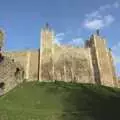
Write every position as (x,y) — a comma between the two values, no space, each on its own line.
(73,21)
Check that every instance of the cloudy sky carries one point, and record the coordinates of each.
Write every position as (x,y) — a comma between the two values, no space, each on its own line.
(73,21)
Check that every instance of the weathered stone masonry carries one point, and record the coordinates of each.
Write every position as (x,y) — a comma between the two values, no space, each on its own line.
(91,64)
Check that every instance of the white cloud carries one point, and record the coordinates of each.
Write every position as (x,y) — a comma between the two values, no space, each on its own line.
(97,20)
(109,6)
(76,42)
(108,19)
(99,23)
(57,41)
(94,24)
(58,38)
(60,34)
(93,14)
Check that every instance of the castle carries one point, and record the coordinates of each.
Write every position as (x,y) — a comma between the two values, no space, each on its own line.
(92,63)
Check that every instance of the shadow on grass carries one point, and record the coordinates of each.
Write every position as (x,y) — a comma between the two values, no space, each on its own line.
(88,102)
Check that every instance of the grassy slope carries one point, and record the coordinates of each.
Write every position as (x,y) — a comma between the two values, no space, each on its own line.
(60,101)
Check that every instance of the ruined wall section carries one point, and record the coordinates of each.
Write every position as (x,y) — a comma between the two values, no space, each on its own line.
(29,61)
(8,74)
(18,56)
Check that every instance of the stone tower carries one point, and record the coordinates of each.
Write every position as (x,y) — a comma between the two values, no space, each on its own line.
(46,47)
(101,60)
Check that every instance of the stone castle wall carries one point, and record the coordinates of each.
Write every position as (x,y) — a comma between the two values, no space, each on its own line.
(33,63)
(91,64)
(112,65)
(104,62)
(51,70)
(59,66)
(9,75)
(29,61)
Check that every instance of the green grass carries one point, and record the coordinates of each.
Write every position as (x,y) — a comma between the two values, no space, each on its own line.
(60,101)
